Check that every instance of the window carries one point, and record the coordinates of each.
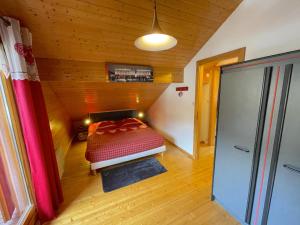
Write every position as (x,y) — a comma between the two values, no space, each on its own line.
(16,205)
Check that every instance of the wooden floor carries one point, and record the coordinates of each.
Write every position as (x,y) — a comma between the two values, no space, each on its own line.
(179,196)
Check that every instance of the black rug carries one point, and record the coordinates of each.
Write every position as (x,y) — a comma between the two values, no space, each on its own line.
(123,175)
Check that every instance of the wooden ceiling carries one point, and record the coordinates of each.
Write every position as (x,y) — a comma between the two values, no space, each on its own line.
(105,30)
(71,38)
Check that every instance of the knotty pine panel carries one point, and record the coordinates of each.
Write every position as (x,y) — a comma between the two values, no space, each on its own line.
(104,31)
(60,124)
(81,97)
(66,70)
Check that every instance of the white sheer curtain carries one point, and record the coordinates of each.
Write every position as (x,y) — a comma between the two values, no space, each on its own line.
(4,68)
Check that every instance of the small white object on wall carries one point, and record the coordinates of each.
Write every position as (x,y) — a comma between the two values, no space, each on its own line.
(181,90)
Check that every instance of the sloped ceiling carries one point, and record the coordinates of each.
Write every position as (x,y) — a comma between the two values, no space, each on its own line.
(80,98)
(104,31)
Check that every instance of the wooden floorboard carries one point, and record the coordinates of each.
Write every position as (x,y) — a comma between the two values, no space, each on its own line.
(179,196)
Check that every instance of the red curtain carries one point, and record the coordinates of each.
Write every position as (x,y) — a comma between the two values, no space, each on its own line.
(39,145)
(34,118)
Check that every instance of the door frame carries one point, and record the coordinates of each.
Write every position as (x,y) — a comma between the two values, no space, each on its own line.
(240,54)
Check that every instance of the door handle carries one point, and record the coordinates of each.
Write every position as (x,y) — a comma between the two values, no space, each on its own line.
(241,148)
(292,168)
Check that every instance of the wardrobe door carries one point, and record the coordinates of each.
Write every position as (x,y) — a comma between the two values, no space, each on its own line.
(239,109)
(284,189)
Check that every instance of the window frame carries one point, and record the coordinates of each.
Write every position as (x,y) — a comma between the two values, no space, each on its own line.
(15,132)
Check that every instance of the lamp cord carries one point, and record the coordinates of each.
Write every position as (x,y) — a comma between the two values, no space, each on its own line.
(155,25)
(155,14)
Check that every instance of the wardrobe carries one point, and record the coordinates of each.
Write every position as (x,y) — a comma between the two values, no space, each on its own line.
(257,155)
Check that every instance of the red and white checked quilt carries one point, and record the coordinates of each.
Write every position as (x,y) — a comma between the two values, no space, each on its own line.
(108,145)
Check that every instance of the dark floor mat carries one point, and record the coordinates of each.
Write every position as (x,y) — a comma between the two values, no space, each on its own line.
(121,176)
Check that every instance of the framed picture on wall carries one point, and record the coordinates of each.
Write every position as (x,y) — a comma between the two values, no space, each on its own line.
(129,73)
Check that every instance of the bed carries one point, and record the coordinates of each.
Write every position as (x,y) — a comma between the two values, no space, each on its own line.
(116,137)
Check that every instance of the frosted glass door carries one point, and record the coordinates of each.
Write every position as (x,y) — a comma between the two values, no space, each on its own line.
(239,108)
(285,202)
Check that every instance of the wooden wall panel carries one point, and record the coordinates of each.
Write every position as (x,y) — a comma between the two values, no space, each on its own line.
(82,97)
(82,87)
(60,124)
(70,70)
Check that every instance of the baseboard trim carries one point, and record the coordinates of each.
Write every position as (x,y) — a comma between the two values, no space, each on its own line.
(66,153)
(172,142)
(183,151)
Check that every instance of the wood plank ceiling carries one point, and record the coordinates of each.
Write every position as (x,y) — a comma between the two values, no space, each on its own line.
(91,32)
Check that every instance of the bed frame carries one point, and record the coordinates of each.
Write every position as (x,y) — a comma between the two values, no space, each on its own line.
(118,115)
(126,158)
(112,115)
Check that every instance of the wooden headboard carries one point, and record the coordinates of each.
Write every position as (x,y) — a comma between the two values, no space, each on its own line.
(112,115)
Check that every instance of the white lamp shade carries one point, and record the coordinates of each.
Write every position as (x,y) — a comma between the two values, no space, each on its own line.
(155,42)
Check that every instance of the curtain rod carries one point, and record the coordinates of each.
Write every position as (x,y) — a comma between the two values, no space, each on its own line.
(6,22)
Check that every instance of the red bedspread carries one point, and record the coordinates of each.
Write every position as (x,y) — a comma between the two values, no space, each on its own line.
(109,146)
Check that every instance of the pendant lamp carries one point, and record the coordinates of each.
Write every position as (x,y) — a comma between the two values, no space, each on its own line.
(157,40)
